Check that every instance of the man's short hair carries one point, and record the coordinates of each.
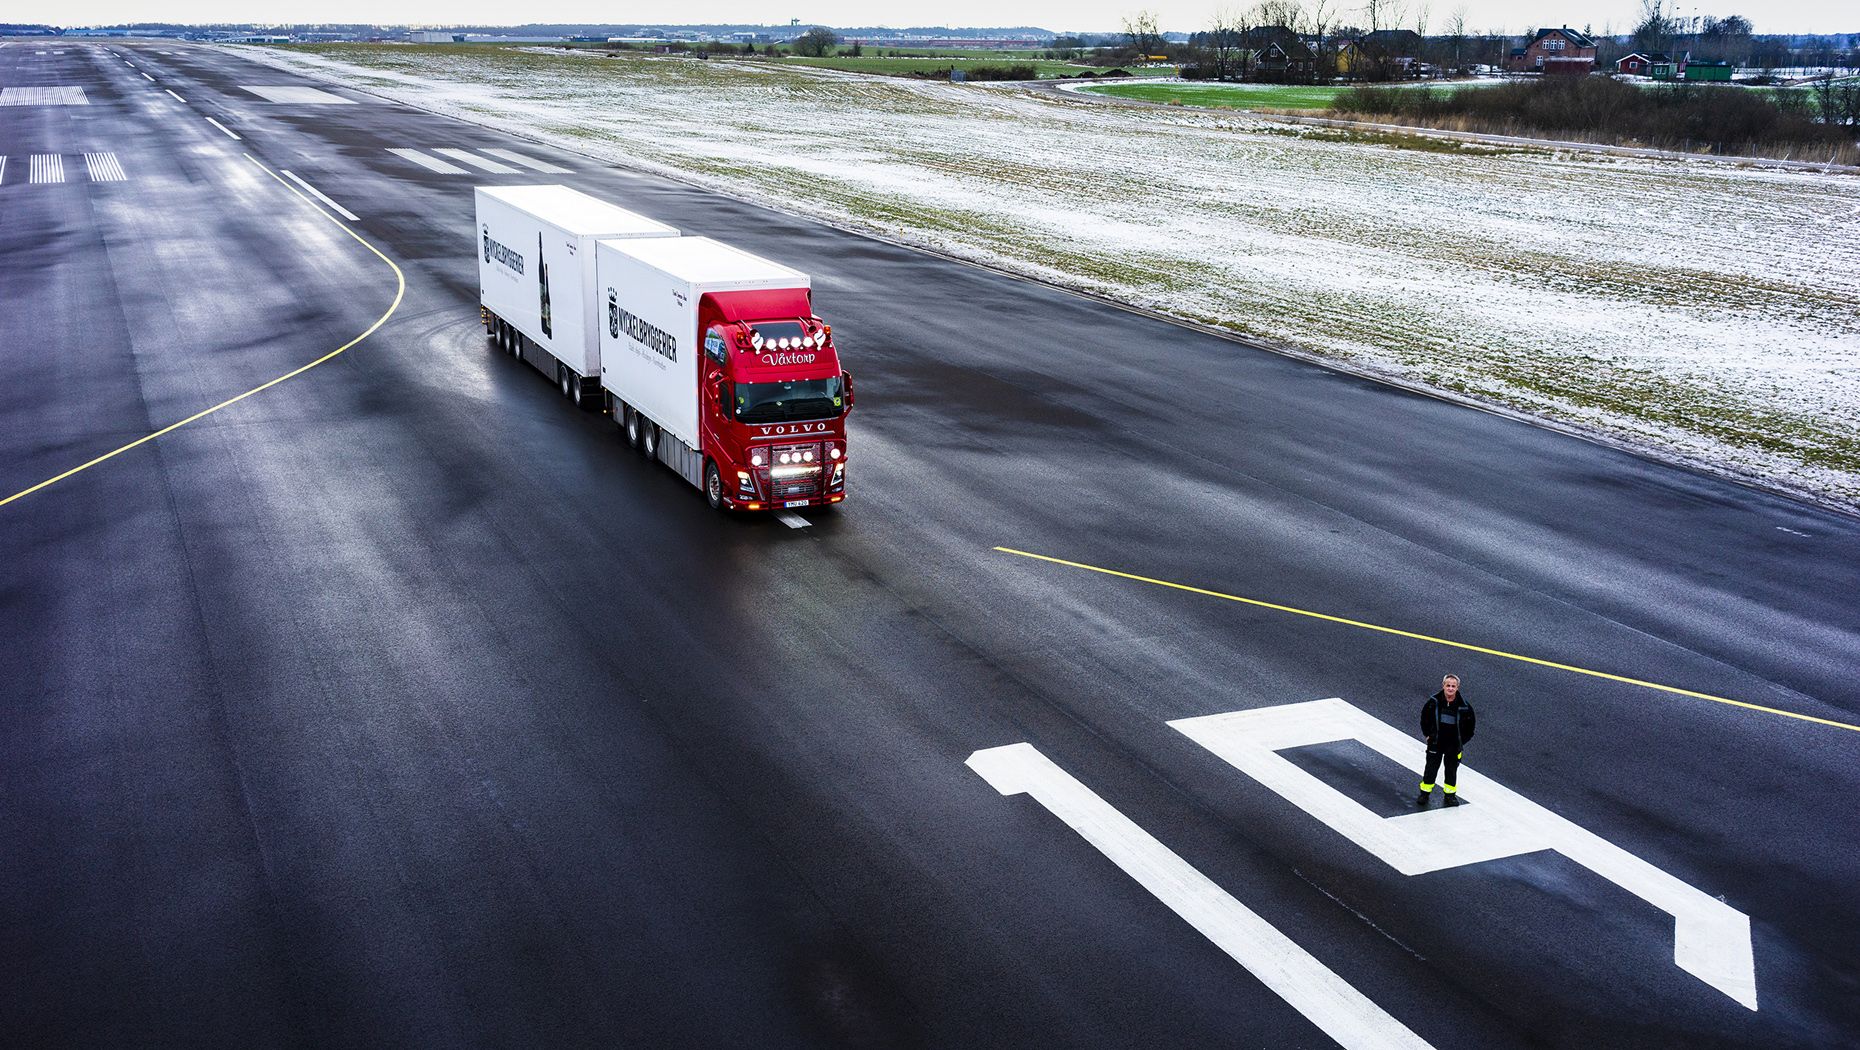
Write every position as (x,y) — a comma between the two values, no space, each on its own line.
(1455,677)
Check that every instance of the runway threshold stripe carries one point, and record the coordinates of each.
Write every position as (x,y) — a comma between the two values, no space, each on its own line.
(464,156)
(318,194)
(529,162)
(104,167)
(400,280)
(1361,625)
(429,163)
(46,167)
(229,132)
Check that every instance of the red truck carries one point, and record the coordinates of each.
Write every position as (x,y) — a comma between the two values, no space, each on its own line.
(715,364)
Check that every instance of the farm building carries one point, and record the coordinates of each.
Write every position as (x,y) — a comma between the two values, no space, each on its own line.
(1561,51)
(1716,69)
(1380,55)
(1642,63)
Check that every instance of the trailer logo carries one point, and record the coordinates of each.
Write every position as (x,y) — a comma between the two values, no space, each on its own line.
(658,340)
(501,254)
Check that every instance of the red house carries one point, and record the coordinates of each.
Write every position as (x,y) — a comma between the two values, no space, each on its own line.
(1641,63)
(1562,50)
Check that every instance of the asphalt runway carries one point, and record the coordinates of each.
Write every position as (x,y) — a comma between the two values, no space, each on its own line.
(400,704)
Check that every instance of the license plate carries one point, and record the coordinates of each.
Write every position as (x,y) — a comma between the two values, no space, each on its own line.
(796,503)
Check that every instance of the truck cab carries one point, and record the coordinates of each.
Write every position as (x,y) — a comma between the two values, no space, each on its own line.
(774,404)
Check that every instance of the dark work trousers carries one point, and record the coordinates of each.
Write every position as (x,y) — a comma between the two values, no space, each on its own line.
(1433,766)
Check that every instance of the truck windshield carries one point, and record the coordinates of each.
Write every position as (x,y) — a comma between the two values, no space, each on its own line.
(788,402)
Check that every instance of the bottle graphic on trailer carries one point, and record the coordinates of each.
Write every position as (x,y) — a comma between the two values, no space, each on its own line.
(542,278)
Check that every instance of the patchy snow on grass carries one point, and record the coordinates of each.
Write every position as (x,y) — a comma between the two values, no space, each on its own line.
(1702,311)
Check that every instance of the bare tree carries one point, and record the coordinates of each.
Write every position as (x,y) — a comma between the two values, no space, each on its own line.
(815,42)
(1287,13)
(1141,31)
(1226,44)
(1456,35)
(1322,17)
(1384,14)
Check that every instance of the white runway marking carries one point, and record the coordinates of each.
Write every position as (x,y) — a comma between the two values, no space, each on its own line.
(481,163)
(148,78)
(43,96)
(318,194)
(1711,939)
(791,519)
(429,163)
(46,167)
(529,162)
(104,167)
(303,96)
(229,132)
(1342,1012)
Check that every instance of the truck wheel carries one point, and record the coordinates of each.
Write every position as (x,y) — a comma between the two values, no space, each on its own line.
(649,439)
(713,487)
(567,382)
(632,426)
(500,336)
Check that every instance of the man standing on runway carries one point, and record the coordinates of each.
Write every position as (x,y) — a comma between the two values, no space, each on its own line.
(1447,726)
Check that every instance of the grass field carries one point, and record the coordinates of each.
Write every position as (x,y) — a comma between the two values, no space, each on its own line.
(906,66)
(1737,346)
(1268,97)
(1226,96)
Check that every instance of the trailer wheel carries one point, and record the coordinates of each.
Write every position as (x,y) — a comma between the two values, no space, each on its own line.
(568,384)
(649,439)
(499,334)
(632,425)
(713,487)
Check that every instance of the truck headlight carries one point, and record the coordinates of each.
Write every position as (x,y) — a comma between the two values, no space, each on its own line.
(755,459)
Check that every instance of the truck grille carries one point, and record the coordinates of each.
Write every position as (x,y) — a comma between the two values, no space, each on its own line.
(796,486)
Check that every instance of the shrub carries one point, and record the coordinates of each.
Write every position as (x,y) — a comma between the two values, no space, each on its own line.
(1722,119)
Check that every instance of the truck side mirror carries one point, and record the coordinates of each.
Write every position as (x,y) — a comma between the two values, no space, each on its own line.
(846,380)
(725,396)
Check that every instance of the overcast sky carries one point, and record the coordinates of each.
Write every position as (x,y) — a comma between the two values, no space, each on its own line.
(1770,16)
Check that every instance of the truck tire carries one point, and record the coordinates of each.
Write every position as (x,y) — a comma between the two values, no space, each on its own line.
(713,486)
(500,336)
(566,380)
(649,439)
(631,425)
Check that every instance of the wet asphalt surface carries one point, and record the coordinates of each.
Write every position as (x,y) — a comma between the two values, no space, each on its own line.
(400,704)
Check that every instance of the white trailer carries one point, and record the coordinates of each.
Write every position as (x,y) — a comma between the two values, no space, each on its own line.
(536,280)
(654,294)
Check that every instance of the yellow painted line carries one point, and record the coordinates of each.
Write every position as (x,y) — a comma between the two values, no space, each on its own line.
(399,293)
(1433,640)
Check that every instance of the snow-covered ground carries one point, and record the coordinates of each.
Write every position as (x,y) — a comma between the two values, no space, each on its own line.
(1703,311)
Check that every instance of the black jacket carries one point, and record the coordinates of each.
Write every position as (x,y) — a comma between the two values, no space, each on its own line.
(1430,722)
